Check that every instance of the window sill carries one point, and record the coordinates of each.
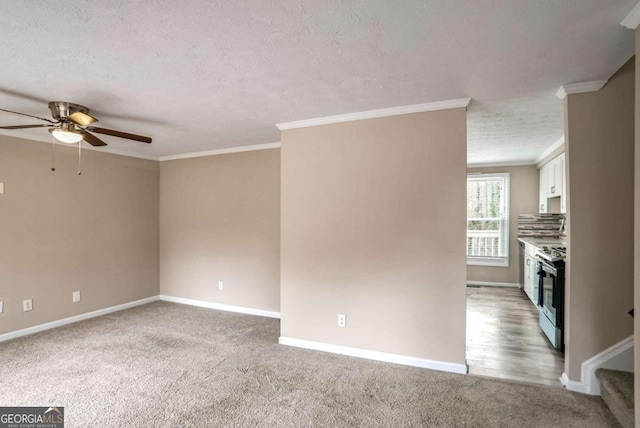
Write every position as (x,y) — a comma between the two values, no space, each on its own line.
(488,261)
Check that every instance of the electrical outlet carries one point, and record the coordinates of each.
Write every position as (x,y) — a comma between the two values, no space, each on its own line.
(220,285)
(27,305)
(342,320)
(76,296)
(1,306)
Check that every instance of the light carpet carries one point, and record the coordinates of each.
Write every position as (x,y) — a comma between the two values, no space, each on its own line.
(166,364)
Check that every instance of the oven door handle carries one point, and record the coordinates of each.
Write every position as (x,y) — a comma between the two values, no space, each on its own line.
(541,275)
(548,267)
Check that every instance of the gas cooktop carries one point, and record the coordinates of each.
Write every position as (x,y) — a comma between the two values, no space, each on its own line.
(552,254)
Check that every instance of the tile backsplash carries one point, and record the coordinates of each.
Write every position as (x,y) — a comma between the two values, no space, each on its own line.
(541,225)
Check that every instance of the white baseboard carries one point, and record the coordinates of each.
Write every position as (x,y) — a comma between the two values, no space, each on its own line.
(616,357)
(75,318)
(59,323)
(494,284)
(572,385)
(220,306)
(375,355)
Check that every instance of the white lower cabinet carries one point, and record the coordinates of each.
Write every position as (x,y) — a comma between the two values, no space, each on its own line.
(531,273)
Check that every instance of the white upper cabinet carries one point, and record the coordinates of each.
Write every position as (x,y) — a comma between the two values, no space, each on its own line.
(552,184)
(554,171)
(563,198)
(558,176)
(543,189)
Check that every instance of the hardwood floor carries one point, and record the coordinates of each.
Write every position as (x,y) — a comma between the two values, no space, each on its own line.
(504,339)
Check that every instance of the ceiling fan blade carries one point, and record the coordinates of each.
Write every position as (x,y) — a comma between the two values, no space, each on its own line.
(93,140)
(82,119)
(126,135)
(28,115)
(23,95)
(24,126)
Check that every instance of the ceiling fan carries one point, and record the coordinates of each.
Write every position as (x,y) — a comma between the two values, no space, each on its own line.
(73,124)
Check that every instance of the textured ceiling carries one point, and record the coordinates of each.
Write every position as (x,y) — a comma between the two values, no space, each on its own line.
(204,75)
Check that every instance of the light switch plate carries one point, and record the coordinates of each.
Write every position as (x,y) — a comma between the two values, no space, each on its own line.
(1,306)
(1,188)
(76,296)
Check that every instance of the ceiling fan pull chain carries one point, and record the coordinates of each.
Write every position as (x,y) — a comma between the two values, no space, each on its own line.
(80,158)
(53,154)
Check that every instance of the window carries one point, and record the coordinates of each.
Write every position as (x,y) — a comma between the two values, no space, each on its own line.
(488,219)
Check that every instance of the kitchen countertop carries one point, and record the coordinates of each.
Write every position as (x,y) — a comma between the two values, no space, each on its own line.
(544,242)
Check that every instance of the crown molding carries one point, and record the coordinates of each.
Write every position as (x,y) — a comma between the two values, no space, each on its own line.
(499,164)
(550,150)
(119,153)
(579,88)
(632,20)
(222,151)
(372,114)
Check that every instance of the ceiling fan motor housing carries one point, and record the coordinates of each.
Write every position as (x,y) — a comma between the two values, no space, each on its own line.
(60,110)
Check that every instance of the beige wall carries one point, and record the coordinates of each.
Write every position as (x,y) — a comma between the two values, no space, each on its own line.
(220,221)
(599,159)
(525,181)
(97,233)
(373,226)
(637,235)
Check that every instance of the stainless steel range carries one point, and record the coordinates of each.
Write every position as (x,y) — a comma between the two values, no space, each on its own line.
(551,293)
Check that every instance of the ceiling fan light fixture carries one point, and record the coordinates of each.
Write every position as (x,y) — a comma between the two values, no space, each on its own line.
(66,136)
